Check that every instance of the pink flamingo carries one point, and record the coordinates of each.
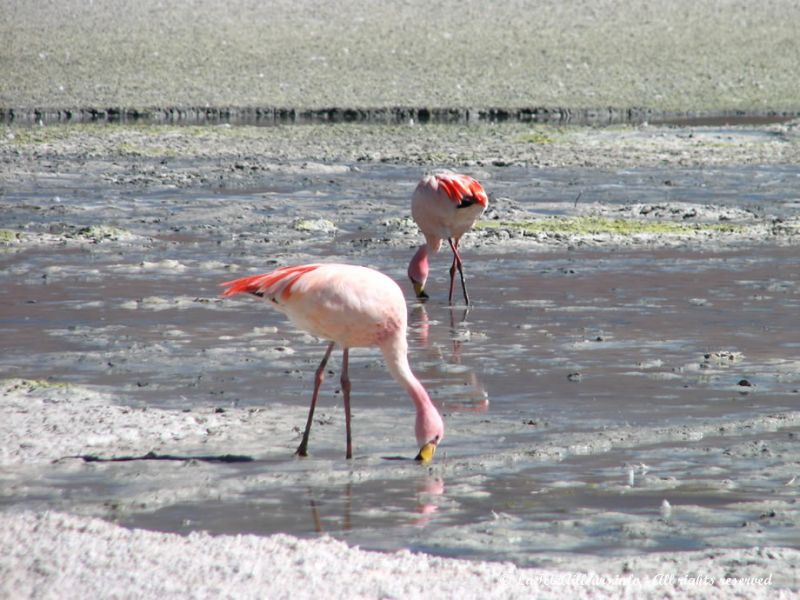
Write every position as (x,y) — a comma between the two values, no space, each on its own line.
(445,205)
(354,307)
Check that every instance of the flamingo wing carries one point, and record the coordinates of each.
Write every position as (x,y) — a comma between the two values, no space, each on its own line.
(272,285)
(351,305)
(461,189)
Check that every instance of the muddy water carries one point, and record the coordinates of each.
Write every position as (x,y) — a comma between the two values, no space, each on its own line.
(586,386)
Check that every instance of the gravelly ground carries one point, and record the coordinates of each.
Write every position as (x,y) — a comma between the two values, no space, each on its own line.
(679,55)
(177,155)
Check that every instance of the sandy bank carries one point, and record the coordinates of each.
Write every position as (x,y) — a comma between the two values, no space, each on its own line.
(59,556)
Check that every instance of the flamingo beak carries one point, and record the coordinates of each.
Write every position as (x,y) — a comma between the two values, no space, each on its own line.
(419,290)
(426,453)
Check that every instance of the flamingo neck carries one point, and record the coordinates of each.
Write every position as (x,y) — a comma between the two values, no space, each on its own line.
(418,267)
(429,424)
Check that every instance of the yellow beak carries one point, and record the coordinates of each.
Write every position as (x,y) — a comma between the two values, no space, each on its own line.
(426,453)
(419,290)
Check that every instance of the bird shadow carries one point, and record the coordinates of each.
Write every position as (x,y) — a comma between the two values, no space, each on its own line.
(221,458)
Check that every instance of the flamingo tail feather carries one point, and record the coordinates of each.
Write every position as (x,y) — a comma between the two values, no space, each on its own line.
(271,284)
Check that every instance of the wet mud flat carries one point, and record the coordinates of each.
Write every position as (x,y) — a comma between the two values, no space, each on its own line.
(624,390)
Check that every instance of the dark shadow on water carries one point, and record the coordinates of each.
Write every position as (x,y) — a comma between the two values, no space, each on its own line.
(272,115)
(222,458)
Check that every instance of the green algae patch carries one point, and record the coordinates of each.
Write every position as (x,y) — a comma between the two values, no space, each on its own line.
(7,236)
(100,233)
(31,385)
(537,137)
(603,225)
(42,135)
(322,225)
(154,150)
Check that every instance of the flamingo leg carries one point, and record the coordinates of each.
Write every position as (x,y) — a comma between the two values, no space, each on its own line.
(457,264)
(346,396)
(302,449)
(454,331)
(452,278)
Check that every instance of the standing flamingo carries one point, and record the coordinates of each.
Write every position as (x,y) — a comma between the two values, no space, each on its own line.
(354,307)
(445,205)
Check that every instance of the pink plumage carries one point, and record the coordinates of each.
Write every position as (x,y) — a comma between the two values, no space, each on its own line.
(445,205)
(270,284)
(351,306)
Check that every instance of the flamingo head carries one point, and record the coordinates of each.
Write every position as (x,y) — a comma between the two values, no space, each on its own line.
(419,290)
(418,271)
(425,454)
(430,431)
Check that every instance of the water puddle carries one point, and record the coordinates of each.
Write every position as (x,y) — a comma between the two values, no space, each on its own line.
(586,386)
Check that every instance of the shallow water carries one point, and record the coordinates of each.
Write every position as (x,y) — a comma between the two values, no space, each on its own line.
(580,391)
